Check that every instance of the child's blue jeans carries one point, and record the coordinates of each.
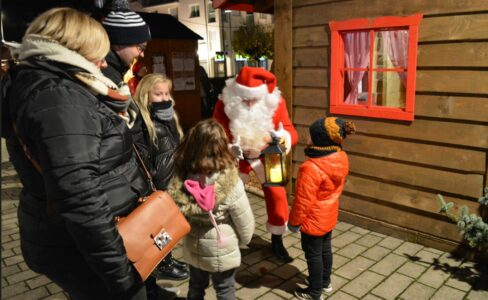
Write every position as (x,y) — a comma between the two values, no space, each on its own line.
(318,252)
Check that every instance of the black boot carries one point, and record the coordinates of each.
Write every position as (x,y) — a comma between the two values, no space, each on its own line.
(279,250)
(167,270)
(179,264)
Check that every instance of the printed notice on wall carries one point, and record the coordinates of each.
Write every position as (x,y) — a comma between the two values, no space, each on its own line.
(183,71)
(158,64)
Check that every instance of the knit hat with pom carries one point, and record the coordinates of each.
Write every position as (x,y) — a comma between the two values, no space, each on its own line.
(327,135)
(125,27)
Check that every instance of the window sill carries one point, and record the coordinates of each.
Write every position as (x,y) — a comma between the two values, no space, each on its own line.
(373,112)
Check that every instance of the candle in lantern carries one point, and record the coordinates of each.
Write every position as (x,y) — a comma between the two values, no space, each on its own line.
(275,174)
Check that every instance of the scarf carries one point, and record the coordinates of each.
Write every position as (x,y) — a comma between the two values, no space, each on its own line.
(40,46)
(315,151)
(162,110)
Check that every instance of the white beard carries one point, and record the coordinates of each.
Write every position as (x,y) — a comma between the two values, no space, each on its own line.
(251,124)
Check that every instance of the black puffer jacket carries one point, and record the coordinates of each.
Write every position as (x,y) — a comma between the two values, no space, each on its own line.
(89,174)
(162,155)
(115,69)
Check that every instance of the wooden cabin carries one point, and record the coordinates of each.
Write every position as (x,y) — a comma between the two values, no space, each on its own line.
(173,51)
(434,142)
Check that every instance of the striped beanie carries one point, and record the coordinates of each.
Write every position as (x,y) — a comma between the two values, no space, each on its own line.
(125,27)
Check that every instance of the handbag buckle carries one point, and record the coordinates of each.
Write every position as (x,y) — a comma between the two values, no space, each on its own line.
(162,239)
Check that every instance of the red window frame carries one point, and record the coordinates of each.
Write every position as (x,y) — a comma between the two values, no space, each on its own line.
(337,105)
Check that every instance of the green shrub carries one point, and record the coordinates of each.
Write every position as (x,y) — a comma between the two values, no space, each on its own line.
(472,227)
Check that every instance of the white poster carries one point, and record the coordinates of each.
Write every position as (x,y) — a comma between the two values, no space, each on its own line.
(184,71)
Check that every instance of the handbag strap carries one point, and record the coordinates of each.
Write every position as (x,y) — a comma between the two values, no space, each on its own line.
(146,172)
(26,150)
(51,210)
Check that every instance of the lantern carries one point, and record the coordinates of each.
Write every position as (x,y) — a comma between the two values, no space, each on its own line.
(275,164)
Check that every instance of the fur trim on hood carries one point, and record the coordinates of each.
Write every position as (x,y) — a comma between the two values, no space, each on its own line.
(224,184)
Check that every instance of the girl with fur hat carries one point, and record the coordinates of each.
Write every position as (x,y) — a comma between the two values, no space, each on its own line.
(210,194)
(315,209)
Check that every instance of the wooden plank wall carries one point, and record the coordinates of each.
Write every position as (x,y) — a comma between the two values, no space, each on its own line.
(398,168)
(283,58)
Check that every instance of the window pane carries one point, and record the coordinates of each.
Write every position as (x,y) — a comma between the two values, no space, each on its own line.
(195,11)
(357,47)
(211,13)
(391,49)
(389,89)
(250,19)
(359,94)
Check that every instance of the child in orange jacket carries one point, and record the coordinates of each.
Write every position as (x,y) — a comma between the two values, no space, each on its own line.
(315,209)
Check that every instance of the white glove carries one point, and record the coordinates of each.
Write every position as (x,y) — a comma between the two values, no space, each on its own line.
(236,149)
(281,134)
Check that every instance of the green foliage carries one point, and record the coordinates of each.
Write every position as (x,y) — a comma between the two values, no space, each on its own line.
(484,199)
(472,227)
(254,41)
(445,207)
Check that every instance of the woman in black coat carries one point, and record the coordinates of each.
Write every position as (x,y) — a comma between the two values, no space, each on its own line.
(68,116)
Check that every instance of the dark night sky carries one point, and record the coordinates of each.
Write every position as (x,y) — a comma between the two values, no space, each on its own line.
(17,14)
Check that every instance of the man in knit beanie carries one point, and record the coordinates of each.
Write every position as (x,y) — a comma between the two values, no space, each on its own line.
(128,34)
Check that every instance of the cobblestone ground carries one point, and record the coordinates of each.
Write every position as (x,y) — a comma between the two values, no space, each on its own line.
(367,265)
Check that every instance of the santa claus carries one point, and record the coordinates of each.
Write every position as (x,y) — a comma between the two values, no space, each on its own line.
(251,110)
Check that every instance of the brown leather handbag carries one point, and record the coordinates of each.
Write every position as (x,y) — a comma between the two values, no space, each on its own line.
(152,230)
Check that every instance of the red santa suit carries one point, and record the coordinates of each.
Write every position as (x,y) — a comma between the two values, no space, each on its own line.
(249,108)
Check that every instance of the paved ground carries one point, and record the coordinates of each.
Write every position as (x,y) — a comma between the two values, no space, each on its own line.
(367,265)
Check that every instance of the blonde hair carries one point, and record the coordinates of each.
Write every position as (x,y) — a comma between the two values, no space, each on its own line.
(74,30)
(141,98)
(204,150)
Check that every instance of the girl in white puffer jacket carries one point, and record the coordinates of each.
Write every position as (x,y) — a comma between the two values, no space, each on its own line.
(210,194)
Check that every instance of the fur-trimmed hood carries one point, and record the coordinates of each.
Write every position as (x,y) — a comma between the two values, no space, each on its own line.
(224,184)
(214,247)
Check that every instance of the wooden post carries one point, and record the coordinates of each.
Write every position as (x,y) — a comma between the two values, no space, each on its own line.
(283,59)
(484,208)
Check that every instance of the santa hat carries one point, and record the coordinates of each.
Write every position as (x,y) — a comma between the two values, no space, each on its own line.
(254,82)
